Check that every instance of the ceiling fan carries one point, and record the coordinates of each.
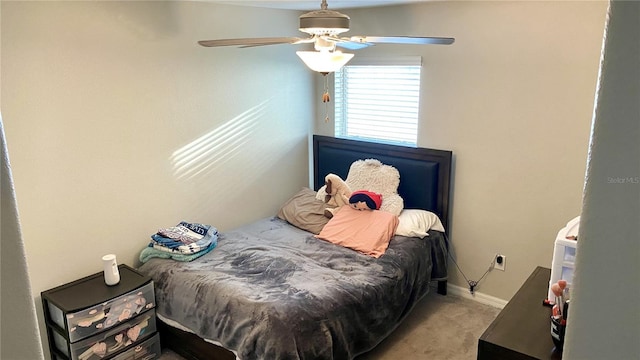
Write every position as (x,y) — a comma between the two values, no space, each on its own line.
(325,27)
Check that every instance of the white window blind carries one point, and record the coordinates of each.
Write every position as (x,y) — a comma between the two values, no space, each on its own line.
(378,100)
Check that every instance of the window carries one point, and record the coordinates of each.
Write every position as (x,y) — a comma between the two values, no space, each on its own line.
(378,100)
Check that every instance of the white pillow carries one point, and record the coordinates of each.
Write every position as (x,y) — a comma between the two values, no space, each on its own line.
(416,223)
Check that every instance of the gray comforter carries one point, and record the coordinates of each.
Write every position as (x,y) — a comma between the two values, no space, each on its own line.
(272,291)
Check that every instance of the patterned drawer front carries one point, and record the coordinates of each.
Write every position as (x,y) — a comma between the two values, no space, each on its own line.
(149,349)
(88,322)
(110,341)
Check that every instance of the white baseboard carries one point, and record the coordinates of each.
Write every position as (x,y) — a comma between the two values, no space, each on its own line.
(476,296)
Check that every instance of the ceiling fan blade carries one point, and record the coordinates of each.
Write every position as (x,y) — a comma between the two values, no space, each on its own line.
(416,40)
(352,45)
(248,42)
(344,42)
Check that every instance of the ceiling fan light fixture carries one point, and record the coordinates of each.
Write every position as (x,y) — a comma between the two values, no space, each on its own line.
(324,61)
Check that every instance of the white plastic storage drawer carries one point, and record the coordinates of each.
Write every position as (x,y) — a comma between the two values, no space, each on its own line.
(564,255)
(109,342)
(147,350)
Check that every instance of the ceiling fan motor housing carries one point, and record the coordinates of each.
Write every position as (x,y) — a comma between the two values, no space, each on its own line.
(324,22)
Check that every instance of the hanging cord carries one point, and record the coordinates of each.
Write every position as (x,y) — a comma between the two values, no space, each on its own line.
(472,283)
(326,98)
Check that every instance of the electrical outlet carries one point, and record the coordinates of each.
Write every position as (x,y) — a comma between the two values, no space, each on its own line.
(500,262)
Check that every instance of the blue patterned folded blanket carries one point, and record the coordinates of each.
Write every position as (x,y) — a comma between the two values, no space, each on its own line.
(150,252)
(200,240)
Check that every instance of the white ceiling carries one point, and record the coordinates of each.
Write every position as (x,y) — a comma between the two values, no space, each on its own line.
(307,5)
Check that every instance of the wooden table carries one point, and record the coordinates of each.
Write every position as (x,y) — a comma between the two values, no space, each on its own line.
(522,330)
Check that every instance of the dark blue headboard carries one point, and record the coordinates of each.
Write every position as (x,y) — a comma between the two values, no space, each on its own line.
(425,174)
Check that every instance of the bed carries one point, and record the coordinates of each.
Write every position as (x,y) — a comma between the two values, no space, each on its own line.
(271,290)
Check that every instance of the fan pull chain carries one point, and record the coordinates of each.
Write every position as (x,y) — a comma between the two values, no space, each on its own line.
(326,98)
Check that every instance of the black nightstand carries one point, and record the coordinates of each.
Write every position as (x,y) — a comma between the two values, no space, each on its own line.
(88,320)
(522,330)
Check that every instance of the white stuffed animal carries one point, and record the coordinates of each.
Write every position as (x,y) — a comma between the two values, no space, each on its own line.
(337,193)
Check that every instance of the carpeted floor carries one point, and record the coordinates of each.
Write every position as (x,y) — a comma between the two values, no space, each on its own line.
(438,328)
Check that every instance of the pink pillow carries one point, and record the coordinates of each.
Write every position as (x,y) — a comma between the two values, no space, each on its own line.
(368,231)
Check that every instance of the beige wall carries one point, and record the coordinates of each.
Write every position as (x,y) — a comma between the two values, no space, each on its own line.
(604,323)
(118,123)
(513,98)
(16,303)
(108,107)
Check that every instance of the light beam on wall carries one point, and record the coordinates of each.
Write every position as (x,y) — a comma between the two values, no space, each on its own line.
(210,151)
